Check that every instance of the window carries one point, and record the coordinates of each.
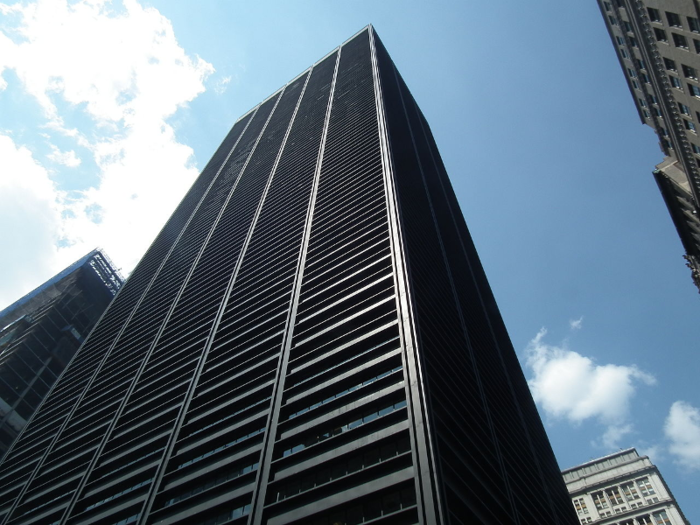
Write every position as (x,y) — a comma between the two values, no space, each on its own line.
(661,518)
(697,115)
(675,82)
(627,26)
(599,501)
(653,98)
(646,113)
(690,126)
(663,131)
(613,20)
(660,35)
(670,64)
(696,44)
(690,72)
(634,83)
(642,102)
(680,41)
(580,506)
(624,53)
(654,14)
(620,40)
(633,41)
(640,63)
(631,72)
(644,520)
(693,24)
(607,5)
(614,495)
(694,90)
(645,487)
(686,111)
(673,19)
(646,78)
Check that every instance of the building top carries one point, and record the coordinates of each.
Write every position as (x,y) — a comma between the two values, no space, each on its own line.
(601,464)
(96,260)
(601,471)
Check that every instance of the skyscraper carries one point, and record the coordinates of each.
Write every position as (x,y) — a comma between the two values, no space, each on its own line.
(310,339)
(40,333)
(658,45)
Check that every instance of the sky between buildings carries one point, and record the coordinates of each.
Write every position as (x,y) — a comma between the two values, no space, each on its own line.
(109,110)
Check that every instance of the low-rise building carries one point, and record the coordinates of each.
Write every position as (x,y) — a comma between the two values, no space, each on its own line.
(623,488)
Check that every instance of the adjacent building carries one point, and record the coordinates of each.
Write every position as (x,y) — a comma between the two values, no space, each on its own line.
(658,45)
(311,339)
(623,488)
(40,333)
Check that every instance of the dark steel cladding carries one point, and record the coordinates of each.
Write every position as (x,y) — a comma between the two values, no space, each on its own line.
(310,339)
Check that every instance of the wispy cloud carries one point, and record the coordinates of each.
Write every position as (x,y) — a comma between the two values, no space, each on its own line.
(573,387)
(576,324)
(613,435)
(682,428)
(66,158)
(222,85)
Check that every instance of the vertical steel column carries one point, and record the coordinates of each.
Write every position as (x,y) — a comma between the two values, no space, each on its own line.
(429,505)
(262,480)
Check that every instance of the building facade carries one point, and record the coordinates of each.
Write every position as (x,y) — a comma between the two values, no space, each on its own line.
(40,333)
(310,339)
(658,45)
(623,488)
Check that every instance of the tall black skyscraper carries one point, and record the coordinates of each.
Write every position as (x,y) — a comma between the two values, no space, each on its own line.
(310,339)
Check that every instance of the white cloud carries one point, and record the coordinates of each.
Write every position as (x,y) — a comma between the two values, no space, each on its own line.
(29,221)
(123,69)
(682,428)
(66,158)
(576,324)
(570,386)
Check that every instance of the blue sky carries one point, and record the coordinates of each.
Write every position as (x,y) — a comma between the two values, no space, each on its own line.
(108,111)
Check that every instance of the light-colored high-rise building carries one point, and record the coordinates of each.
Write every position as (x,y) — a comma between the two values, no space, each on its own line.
(658,45)
(623,488)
